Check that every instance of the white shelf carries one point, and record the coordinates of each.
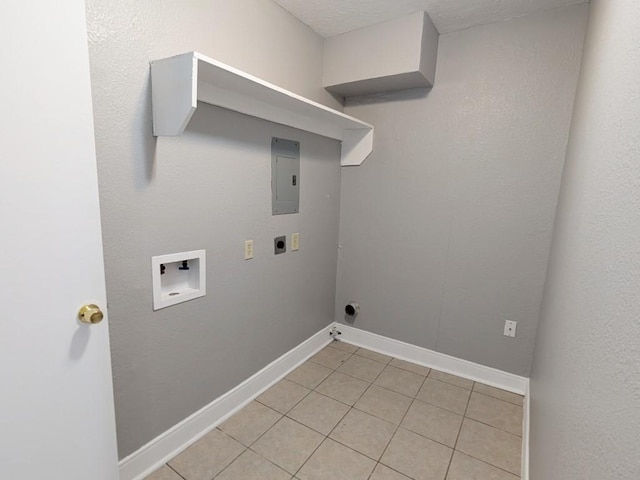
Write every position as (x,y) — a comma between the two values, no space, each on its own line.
(180,82)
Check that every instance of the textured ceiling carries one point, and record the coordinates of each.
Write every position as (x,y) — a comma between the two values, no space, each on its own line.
(333,17)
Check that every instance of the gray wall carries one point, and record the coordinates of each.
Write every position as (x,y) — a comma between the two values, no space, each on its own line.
(585,384)
(208,189)
(446,228)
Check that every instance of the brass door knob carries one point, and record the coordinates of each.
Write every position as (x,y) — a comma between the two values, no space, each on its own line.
(90,314)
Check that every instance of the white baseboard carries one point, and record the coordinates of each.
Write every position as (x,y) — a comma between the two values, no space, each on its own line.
(166,446)
(439,361)
(526,422)
(169,444)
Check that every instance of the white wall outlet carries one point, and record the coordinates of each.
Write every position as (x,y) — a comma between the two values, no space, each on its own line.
(510,328)
(248,249)
(295,241)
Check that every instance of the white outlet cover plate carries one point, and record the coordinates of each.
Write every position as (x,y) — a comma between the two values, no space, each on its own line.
(510,328)
(295,241)
(248,249)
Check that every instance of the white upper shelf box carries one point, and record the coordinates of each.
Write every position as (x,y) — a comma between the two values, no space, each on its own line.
(180,82)
(393,55)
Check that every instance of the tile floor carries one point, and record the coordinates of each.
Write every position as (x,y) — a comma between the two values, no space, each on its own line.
(353,414)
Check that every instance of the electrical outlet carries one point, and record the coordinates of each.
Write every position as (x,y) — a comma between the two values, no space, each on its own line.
(248,249)
(510,328)
(280,244)
(295,241)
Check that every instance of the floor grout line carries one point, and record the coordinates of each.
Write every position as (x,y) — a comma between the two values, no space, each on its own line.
(398,427)
(487,463)
(351,407)
(176,472)
(265,458)
(455,444)
(497,399)
(234,458)
(313,390)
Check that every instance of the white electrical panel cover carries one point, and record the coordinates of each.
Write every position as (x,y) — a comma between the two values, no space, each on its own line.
(285,176)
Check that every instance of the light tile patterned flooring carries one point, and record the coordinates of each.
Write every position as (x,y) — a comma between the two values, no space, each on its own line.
(353,414)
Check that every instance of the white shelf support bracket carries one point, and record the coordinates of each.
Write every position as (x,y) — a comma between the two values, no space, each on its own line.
(356,146)
(173,94)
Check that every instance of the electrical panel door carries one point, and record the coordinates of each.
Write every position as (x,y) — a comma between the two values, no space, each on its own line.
(285,176)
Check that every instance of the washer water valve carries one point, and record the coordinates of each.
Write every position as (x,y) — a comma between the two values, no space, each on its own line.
(334,333)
